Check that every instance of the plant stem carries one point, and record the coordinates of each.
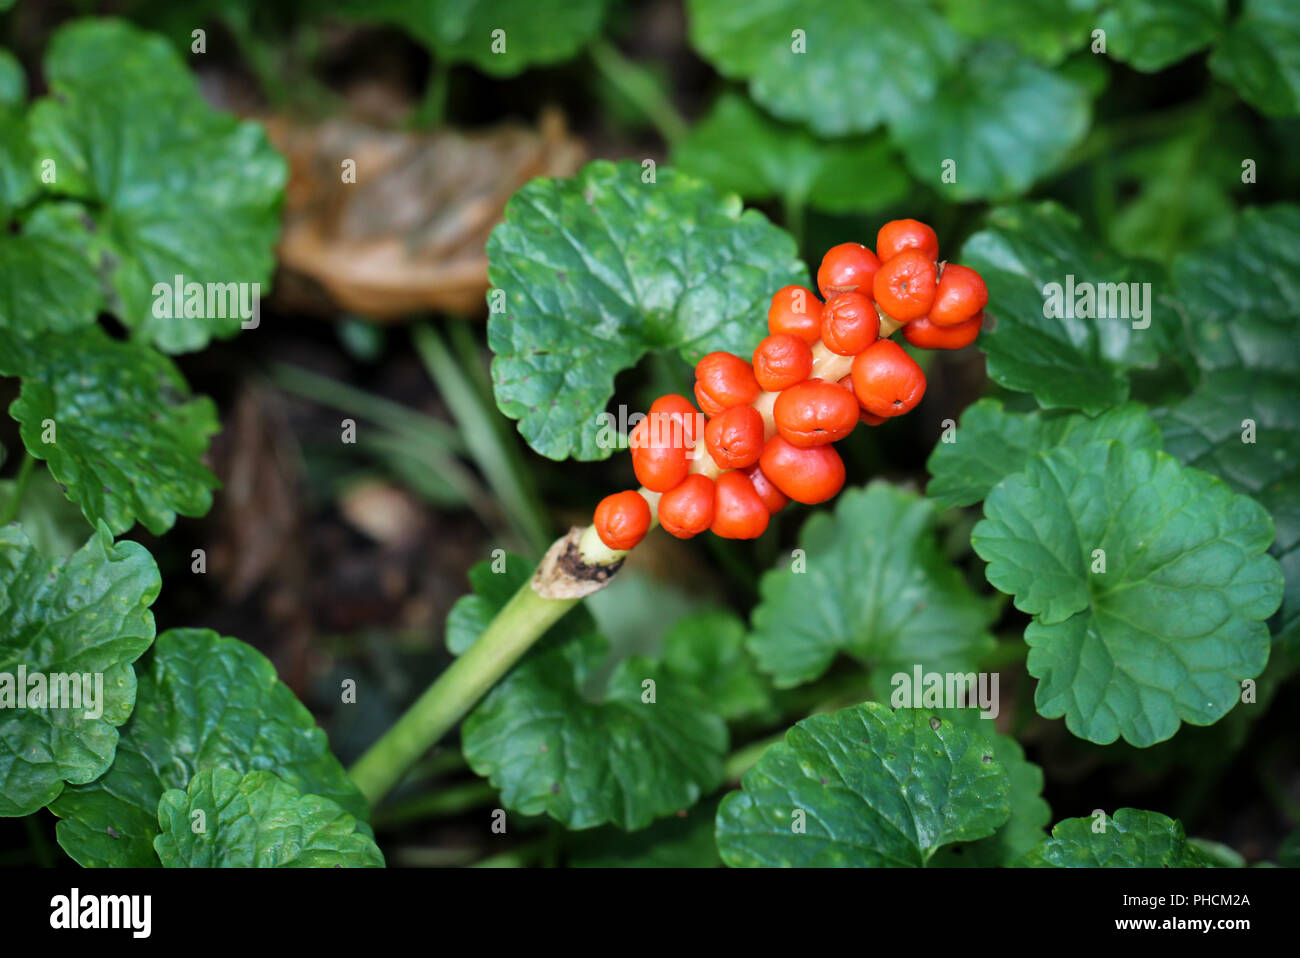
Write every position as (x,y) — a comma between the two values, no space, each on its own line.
(432,110)
(640,86)
(10,511)
(520,623)
(451,800)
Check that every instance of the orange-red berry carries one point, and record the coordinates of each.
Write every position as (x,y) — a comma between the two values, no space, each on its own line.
(925,334)
(774,500)
(622,519)
(814,413)
(658,452)
(687,509)
(898,235)
(682,414)
(850,323)
(904,287)
(738,511)
(726,380)
(845,268)
(797,311)
(782,360)
(961,294)
(735,437)
(809,475)
(887,381)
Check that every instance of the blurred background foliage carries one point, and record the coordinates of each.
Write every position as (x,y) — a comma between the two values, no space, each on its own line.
(342,560)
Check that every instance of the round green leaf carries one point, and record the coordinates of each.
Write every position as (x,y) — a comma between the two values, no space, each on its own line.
(1049,337)
(1045,29)
(46,282)
(550,743)
(870,581)
(842,66)
(707,649)
(54,525)
(196,196)
(114,422)
(594,272)
(1030,813)
(530,31)
(85,616)
(864,787)
(1241,305)
(204,702)
(1148,583)
(738,148)
(1129,839)
(1001,123)
(13,81)
(1260,56)
(992,443)
(1150,35)
(225,820)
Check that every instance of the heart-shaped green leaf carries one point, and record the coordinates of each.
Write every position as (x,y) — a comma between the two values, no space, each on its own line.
(226,820)
(796,56)
(69,630)
(1148,581)
(864,787)
(1241,303)
(1070,317)
(1001,123)
(992,442)
(1260,56)
(196,195)
(1129,839)
(1150,35)
(594,272)
(626,753)
(204,702)
(869,581)
(115,423)
(502,38)
(736,147)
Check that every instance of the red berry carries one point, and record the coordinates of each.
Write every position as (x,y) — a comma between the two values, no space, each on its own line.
(707,405)
(622,520)
(680,411)
(863,415)
(814,413)
(797,311)
(924,334)
(738,511)
(726,380)
(782,360)
(845,268)
(658,452)
(687,510)
(809,475)
(904,287)
(887,381)
(735,437)
(850,323)
(898,235)
(774,500)
(961,294)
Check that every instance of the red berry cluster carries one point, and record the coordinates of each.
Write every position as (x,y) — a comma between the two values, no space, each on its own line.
(825,367)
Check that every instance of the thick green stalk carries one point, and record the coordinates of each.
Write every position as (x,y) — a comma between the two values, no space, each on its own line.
(520,623)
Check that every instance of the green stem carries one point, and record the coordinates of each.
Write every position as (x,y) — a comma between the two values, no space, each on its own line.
(640,86)
(451,800)
(432,110)
(794,204)
(10,511)
(520,623)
